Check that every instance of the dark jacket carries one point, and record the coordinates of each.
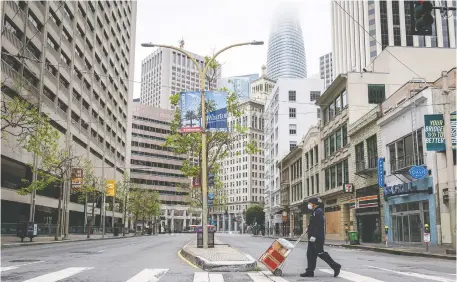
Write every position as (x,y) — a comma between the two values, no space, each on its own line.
(316,227)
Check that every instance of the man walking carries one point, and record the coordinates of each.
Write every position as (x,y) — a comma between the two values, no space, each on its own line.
(316,239)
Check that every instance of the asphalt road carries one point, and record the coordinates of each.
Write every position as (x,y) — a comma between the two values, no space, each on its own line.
(155,258)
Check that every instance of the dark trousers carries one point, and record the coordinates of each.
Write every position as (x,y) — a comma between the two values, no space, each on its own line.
(317,250)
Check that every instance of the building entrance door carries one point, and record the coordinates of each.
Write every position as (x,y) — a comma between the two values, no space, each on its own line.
(407,228)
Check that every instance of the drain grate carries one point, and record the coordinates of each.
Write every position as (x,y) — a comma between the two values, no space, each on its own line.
(81,252)
(25,260)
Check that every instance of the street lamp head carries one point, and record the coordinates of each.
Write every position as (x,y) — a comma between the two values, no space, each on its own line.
(257,42)
(147,45)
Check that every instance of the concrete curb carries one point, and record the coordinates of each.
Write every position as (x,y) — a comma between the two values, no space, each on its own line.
(15,245)
(379,250)
(219,266)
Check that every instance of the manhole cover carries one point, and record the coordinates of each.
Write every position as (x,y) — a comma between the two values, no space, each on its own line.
(24,260)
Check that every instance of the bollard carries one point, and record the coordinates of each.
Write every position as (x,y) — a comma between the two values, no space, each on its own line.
(387,234)
(426,236)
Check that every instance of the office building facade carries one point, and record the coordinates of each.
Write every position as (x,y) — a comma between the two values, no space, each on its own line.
(361,30)
(241,85)
(166,71)
(78,59)
(326,69)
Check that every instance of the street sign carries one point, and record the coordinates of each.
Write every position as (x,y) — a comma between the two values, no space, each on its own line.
(76,177)
(426,237)
(454,130)
(381,182)
(418,172)
(210,196)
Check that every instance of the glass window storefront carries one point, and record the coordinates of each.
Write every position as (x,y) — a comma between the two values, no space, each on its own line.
(408,221)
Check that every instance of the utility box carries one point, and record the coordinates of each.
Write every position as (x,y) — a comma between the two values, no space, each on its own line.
(26,229)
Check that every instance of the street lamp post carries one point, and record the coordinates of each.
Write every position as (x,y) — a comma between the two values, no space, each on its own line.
(202,73)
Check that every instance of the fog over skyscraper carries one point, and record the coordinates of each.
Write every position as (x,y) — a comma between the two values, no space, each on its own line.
(286,51)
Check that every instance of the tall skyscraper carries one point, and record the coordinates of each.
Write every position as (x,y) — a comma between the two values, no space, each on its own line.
(373,25)
(326,69)
(77,61)
(241,84)
(166,72)
(286,50)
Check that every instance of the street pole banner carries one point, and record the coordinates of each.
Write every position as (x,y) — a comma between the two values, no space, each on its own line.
(190,105)
(454,130)
(434,132)
(110,188)
(76,178)
(217,110)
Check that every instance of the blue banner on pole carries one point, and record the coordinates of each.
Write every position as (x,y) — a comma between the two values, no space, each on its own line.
(381,182)
(217,110)
(190,106)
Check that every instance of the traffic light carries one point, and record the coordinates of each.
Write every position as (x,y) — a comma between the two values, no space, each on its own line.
(423,18)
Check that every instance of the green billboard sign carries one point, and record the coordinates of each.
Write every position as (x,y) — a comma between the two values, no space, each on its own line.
(434,132)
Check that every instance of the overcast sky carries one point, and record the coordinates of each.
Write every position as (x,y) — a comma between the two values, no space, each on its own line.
(208,25)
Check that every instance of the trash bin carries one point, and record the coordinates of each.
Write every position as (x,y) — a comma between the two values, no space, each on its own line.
(116,231)
(150,231)
(26,229)
(354,237)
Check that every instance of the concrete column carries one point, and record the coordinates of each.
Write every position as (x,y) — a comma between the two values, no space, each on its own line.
(236,224)
(223,222)
(172,220)
(230,222)
(218,222)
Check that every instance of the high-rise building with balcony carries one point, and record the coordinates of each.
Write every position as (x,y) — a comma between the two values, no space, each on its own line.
(286,50)
(155,167)
(166,71)
(74,60)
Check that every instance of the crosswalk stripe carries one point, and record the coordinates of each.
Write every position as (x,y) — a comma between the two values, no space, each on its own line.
(272,277)
(258,277)
(352,276)
(59,275)
(148,275)
(216,277)
(201,277)
(417,275)
(6,268)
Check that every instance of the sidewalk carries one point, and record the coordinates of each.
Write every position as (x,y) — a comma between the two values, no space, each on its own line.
(10,241)
(222,257)
(392,248)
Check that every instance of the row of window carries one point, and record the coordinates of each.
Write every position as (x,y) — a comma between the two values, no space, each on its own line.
(151,129)
(336,140)
(312,157)
(337,175)
(335,107)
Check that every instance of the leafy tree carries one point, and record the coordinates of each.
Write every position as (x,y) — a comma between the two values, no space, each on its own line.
(93,187)
(54,168)
(255,214)
(22,119)
(123,188)
(143,204)
(219,144)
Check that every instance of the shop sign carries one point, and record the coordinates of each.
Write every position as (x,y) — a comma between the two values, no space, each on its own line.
(348,188)
(454,130)
(418,186)
(381,182)
(434,132)
(418,172)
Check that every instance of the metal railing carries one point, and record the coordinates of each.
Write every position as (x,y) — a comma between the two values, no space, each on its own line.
(45,229)
(406,162)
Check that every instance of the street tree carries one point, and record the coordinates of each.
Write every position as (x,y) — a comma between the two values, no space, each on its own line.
(255,214)
(54,168)
(92,190)
(144,204)
(219,144)
(21,119)
(123,188)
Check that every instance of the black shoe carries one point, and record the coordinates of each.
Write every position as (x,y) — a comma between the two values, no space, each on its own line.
(307,274)
(336,270)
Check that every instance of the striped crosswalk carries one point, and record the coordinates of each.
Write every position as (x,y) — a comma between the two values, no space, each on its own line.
(155,275)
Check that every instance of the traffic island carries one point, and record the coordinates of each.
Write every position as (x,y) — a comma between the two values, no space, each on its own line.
(221,258)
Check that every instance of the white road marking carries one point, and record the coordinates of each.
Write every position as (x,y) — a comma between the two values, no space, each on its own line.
(258,277)
(100,251)
(59,275)
(352,276)
(148,275)
(417,275)
(6,268)
(216,277)
(250,257)
(201,277)
(272,277)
